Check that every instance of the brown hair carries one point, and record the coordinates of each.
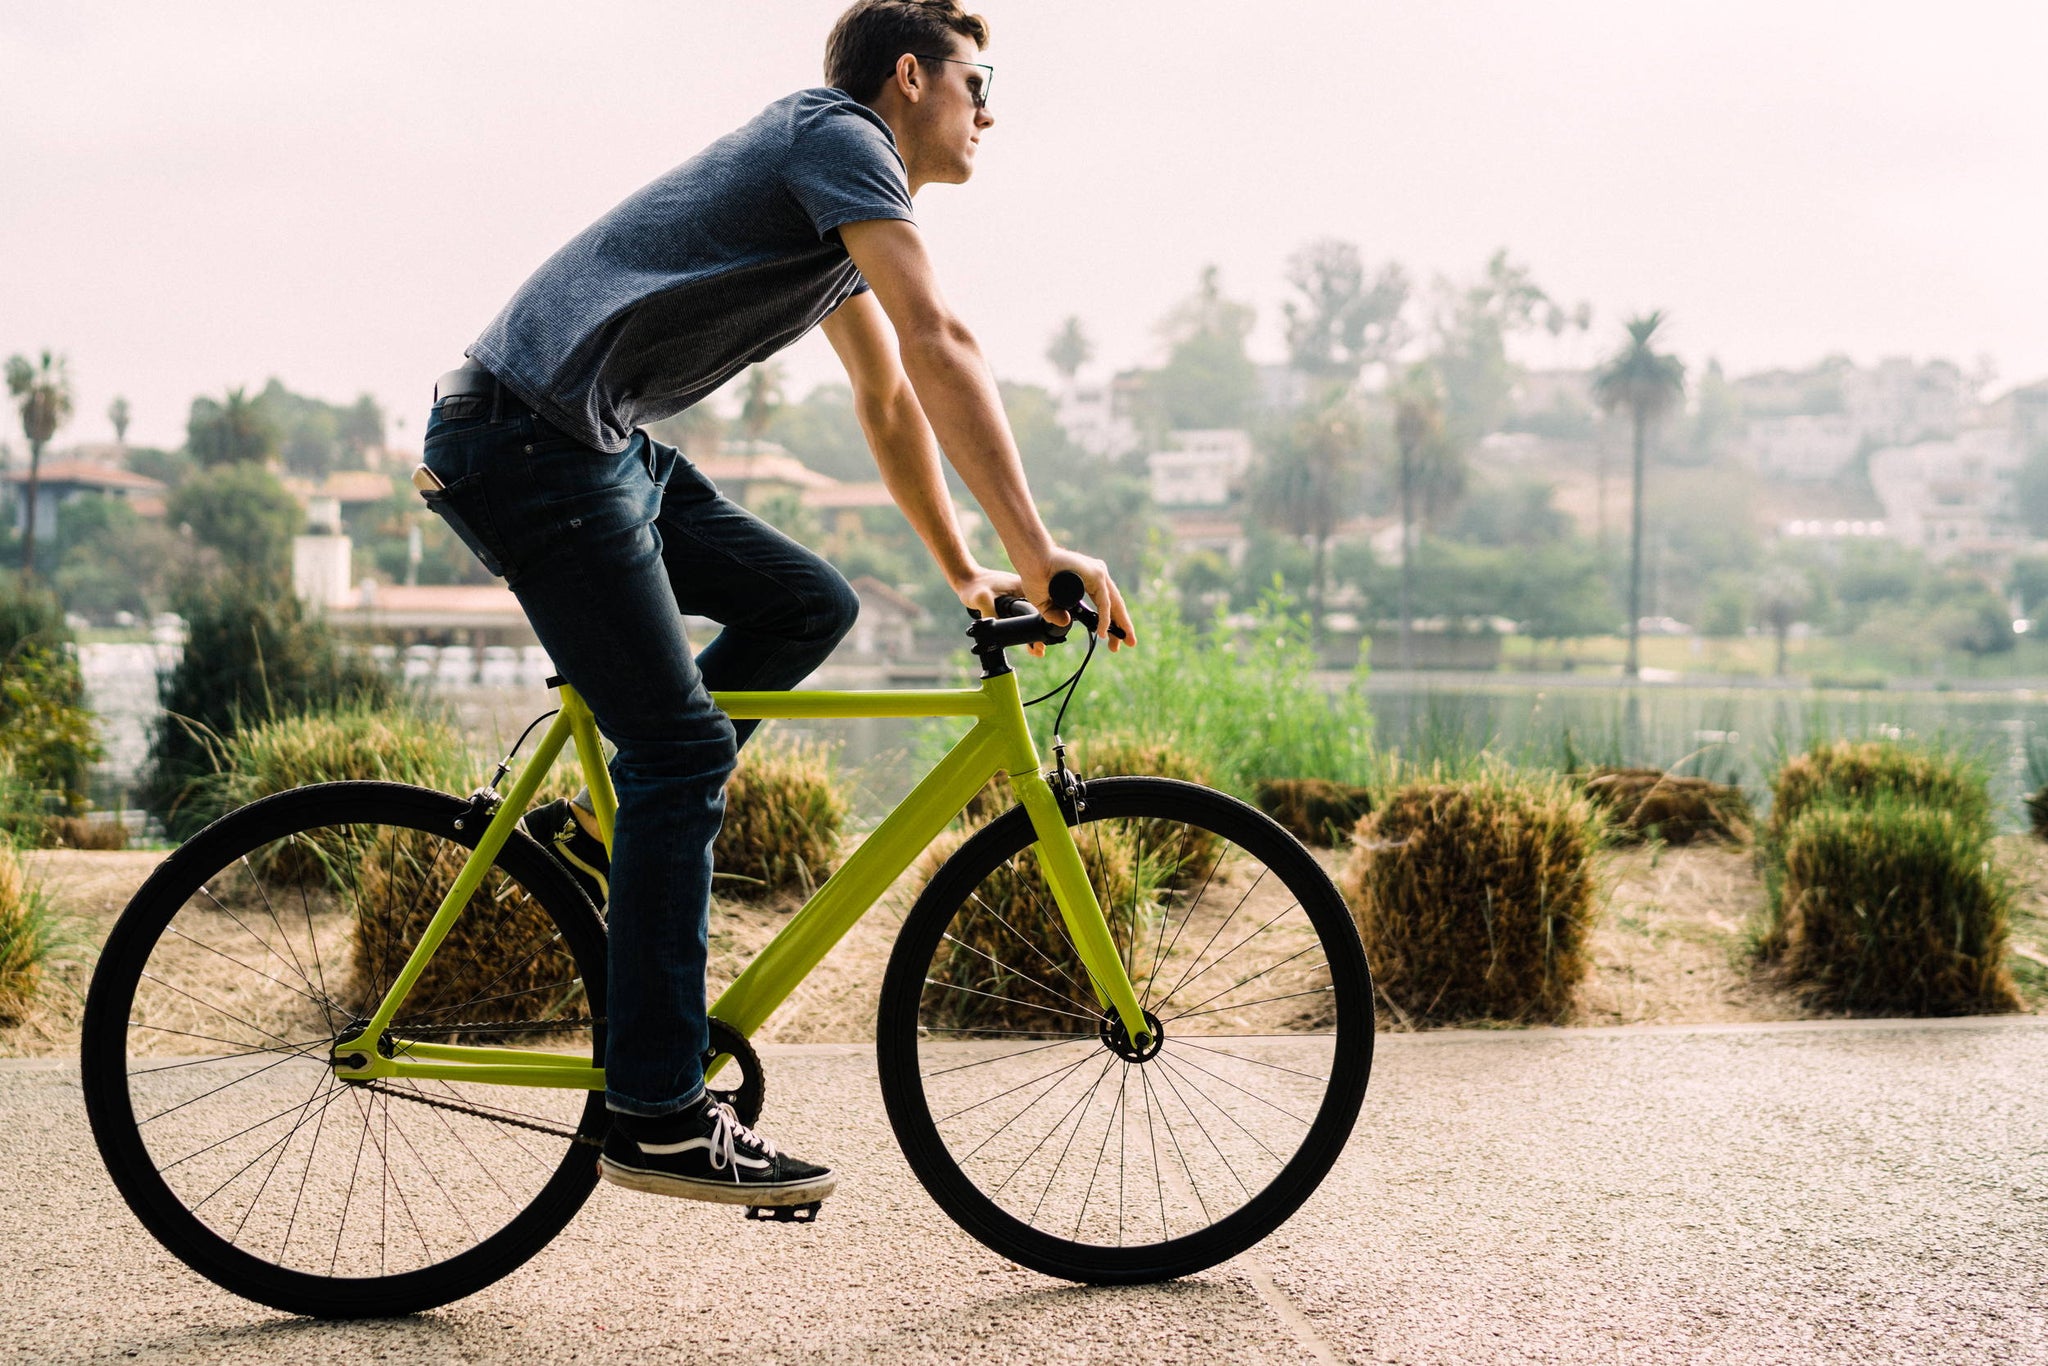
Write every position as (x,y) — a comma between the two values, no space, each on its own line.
(872,34)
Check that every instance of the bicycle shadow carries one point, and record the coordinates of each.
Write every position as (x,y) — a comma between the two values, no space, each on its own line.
(1104,1322)
(305,1340)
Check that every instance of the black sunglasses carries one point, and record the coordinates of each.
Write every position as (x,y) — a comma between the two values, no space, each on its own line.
(976,90)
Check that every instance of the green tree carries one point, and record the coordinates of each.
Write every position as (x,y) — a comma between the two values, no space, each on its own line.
(1470,352)
(1781,597)
(111,559)
(1069,350)
(1341,321)
(824,432)
(1716,420)
(251,655)
(1208,380)
(242,511)
(168,467)
(117,413)
(235,429)
(2030,490)
(361,427)
(2028,582)
(1310,478)
(1516,511)
(1649,384)
(42,393)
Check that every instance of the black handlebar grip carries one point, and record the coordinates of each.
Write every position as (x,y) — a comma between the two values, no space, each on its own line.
(1010,605)
(1066,590)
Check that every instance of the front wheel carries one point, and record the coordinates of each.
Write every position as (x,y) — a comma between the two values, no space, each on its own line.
(1023,1106)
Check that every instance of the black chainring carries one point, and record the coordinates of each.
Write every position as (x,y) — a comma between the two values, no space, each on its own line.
(745,1099)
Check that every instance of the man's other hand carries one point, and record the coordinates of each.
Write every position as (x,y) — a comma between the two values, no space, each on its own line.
(1102,590)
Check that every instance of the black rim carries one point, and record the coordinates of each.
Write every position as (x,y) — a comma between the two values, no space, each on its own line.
(1032,1116)
(224,986)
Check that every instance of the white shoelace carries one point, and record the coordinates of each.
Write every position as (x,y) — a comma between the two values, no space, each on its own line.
(727,1133)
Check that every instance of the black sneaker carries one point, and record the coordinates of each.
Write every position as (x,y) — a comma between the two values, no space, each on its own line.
(705,1153)
(575,848)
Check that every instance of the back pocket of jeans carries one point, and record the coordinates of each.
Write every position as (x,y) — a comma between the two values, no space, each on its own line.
(461,505)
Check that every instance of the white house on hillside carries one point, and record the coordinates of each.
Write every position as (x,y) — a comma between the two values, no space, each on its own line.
(1951,499)
(1200,468)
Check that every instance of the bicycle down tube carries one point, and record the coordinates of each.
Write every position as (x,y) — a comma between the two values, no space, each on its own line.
(999,741)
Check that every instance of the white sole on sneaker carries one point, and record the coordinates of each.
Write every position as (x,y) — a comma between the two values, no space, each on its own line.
(716,1192)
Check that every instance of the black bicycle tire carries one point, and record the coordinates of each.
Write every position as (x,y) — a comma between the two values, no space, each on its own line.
(925,1149)
(109,1107)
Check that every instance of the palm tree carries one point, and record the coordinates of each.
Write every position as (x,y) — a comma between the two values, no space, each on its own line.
(117,413)
(43,393)
(763,397)
(1069,350)
(1649,384)
(1419,444)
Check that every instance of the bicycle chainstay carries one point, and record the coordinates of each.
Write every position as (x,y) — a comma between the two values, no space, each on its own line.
(497,1116)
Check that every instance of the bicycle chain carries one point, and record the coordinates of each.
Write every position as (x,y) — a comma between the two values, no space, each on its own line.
(461,1109)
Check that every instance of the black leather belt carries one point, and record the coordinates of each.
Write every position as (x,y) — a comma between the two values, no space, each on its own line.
(470,380)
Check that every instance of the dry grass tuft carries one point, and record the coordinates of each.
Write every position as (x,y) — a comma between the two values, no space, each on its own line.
(1648,803)
(1861,772)
(76,832)
(783,818)
(1476,897)
(1896,907)
(499,962)
(24,940)
(1009,939)
(1318,812)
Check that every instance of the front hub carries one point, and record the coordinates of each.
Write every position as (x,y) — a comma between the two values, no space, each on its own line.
(1117,1041)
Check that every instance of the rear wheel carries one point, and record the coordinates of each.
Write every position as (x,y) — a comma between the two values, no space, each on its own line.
(246,956)
(1023,1106)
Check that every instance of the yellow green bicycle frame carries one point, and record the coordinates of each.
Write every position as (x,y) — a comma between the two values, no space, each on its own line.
(999,742)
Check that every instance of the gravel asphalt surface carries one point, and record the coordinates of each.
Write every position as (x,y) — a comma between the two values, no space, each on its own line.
(1854,1192)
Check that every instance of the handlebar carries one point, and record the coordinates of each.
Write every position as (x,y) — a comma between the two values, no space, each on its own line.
(1017,622)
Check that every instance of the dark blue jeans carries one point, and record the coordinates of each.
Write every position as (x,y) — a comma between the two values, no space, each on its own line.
(606,553)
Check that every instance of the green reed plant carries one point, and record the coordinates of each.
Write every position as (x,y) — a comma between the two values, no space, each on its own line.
(1238,695)
(1891,905)
(1476,895)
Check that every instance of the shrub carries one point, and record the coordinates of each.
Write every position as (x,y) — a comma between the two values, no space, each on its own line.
(783,818)
(251,655)
(1853,773)
(1893,906)
(356,740)
(1317,811)
(1859,772)
(47,741)
(1012,952)
(1180,856)
(24,939)
(1642,803)
(1476,897)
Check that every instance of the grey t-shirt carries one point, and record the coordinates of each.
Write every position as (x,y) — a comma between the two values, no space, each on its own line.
(718,264)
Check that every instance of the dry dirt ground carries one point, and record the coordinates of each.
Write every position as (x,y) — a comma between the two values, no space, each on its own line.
(1669,947)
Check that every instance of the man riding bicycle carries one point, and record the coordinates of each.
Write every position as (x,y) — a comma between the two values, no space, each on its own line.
(537,457)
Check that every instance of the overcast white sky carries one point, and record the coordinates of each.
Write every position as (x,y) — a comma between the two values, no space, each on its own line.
(205,194)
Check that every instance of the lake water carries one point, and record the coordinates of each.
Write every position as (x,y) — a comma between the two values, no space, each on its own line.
(1735,734)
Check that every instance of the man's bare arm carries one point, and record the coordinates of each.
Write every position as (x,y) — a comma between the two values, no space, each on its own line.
(955,393)
(901,439)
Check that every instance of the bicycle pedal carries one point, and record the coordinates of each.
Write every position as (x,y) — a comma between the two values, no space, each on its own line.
(786,1214)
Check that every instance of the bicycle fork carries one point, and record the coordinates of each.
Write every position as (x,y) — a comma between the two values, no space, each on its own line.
(1079,907)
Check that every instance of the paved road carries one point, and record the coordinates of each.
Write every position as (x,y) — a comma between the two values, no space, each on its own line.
(1839,1192)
